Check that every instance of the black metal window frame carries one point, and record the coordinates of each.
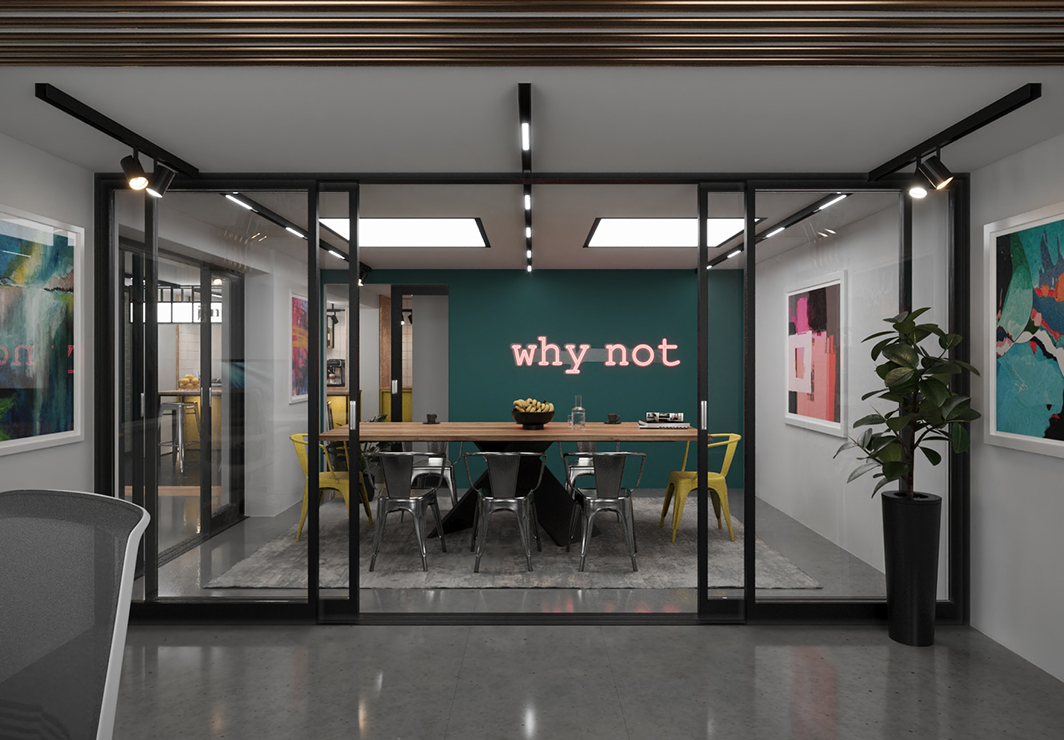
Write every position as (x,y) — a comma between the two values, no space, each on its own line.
(749,609)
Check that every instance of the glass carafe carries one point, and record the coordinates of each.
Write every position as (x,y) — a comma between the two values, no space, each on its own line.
(578,417)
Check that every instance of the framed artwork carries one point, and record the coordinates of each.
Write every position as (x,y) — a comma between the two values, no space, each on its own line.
(1024,260)
(41,365)
(300,386)
(815,369)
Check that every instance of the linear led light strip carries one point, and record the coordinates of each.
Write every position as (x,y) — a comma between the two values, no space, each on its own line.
(820,205)
(524,118)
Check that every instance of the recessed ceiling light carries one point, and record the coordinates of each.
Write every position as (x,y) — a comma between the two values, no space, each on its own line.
(661,232)
(530,268)
(528,253)
(412,232)
(526,136)
(528,232)
(528,202)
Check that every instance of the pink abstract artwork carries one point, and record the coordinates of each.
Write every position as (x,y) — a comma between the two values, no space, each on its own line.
(813,367)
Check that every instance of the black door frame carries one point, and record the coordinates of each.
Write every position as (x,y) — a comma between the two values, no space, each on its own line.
(954,610)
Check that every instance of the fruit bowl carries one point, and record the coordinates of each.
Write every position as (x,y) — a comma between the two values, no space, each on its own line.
(532,419)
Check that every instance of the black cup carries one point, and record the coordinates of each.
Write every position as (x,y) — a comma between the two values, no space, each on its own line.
(430,418)
(613,419)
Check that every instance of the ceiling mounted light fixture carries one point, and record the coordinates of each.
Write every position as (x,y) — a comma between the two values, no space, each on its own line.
(134,172)
(624,232)
(833,201)
(936,173)
(161,177)
(777,230)
(239,202)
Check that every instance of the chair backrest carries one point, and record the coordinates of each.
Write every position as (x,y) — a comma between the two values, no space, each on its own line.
(337,410)
(609,473)
(397,469)
(731,440)
(65,585)
(301,443)
(503,472)
(438,449)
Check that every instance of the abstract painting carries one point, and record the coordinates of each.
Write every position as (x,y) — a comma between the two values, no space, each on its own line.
(300,349)
(814,357)
(1027,362)
(40,332)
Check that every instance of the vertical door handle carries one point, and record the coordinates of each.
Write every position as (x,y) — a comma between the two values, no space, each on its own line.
(142,406)
(704,415)
(352,413)
(395,387)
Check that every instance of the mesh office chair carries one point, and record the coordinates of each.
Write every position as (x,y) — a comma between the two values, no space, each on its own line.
(609,494)
(65,585)
(501,494)
(399,495)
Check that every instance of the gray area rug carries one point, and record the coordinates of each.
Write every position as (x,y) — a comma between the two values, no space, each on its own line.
(281,563)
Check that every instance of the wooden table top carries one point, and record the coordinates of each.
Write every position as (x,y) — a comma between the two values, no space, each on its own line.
(507,431)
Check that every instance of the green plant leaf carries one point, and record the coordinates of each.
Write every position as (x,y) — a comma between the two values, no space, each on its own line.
(895,470)
(960,438)
(949,341)
(931,455)
(891,453)
(870,394)
(919,312)
(953,404)
(878,334)
(870,419)
(879,485)
(898,376)
(935,390)
(902,355)
(849,443)
(900,422)
(878,349)
(858,472)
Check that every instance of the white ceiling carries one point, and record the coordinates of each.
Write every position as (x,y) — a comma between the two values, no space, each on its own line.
(609,120)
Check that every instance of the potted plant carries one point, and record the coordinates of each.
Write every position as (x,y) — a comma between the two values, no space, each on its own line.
(923,410)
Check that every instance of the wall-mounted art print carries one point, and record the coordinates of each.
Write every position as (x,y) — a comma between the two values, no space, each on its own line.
(814,356)
(1025,331)
(300,349)
(40,332)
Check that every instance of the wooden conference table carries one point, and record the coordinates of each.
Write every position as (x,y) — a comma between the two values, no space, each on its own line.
(553,504)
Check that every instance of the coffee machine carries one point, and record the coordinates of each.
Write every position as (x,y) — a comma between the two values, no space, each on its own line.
(334,370)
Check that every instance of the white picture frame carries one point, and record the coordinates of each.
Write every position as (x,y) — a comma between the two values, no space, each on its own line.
(18,226)
(1035,219)
(834,428)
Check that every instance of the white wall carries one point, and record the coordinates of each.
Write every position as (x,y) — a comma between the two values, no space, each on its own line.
(430,357)
(1017,497)
(36,182)
(796,472)
(369,359)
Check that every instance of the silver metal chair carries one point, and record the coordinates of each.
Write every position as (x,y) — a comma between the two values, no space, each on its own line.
(609,494)
(436,461)
(501,494)
(399,495)
(577,463)
(65,587)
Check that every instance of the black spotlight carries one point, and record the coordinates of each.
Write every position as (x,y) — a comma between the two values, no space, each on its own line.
(936,173)
(918,185)
(134,172)
(161,178)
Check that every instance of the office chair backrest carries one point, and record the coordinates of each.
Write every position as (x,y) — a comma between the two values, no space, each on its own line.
(65,585)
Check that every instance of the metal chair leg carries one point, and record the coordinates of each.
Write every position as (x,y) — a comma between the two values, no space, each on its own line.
(482,535)
(417,514)
(631,521)
(522,527)
(534,522)
(382,520)
(439,523)
(588,524)
(629,532)
(572,523)
(448,475)
(476,520)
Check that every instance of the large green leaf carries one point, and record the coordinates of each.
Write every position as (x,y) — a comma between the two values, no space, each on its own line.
(935,390)
(898,376)
(858,472)
(870,419)
(878,334)
(949,341)
(845,446)
(895,470)
(931,455)
(880,345)
(902,354)
(952,405)
(919,312)
(900,422)
(961,440)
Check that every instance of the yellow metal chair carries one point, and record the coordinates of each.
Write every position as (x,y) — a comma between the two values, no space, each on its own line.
(337,410)
(327,479)
(682,482)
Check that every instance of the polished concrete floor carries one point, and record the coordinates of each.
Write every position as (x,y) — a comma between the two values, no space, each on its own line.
(503,682)
(841,575)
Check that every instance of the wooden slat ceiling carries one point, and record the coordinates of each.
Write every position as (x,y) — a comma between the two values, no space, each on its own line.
(530,32)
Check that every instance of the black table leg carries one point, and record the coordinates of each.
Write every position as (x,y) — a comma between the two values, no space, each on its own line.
(554,506)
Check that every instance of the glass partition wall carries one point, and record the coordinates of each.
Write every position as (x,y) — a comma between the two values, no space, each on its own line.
(323,348)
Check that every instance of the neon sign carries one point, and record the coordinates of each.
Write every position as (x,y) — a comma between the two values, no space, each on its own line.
(612,355)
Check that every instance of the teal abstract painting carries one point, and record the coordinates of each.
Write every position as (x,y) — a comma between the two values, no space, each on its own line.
(1029,336)
(37,331)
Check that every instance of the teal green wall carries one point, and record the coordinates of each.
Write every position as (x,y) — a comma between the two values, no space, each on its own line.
(491,309)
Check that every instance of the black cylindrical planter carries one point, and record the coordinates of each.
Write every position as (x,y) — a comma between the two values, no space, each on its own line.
(910,543)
